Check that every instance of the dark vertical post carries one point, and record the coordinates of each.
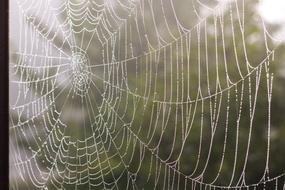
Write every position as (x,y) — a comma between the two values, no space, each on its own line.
(4,95)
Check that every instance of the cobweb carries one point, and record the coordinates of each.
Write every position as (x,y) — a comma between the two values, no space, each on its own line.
(141,94)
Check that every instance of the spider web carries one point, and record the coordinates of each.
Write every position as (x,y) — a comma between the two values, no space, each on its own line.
(133,94)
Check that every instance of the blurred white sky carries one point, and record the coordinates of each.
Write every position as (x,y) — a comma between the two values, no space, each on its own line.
(273,12)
